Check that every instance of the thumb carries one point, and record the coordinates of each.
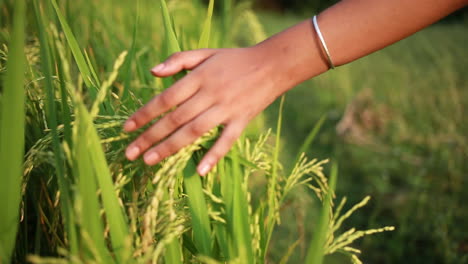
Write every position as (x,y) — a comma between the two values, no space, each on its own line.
(186,60)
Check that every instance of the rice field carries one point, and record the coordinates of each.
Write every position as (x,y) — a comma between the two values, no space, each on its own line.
(395,121)
(72,72)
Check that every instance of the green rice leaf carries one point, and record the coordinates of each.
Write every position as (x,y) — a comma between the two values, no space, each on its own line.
(243,161)
(127,68)
(240,216)
(227,18)
(172,44)
(66,112)
(173,252)
(224,233)
(317,246)
(310,138)
(171,38)
(63,182)
(76,51)
(205,36)
(200,221)
(91,68)
(272,201)
(12,125)
(102,94)
(115,216)
(189,244)
(89,210)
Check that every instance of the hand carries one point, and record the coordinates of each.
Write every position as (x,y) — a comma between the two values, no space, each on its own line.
(225,87)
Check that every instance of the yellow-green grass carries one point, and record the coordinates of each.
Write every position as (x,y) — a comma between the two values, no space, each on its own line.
(12,118)
(406,144)
(84,202)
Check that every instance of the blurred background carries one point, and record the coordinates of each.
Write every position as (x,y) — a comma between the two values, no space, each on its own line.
(396,123)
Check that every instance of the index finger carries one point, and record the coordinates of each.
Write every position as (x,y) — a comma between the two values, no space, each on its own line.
(173,96)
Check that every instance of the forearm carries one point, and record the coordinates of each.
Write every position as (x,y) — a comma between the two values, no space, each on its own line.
(352,29)
(248,80)
(355,28)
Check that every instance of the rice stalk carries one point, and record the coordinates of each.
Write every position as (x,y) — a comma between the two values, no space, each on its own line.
(273,206)
(83,66)
(317,246)
(200,221)
(101,96)
(12,118)
(88,208)
(115,216)
(239,216)
(171,37)
(206,32)
(310,138)
(172,43)
(63,182)
(127,212)
(127,67)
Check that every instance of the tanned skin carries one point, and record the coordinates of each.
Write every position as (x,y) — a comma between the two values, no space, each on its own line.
(231,86)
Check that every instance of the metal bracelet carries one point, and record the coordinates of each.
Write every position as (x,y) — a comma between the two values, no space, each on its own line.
(319,33)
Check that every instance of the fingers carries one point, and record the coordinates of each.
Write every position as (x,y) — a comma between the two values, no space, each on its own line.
(194,116)
(173,96)
(184,136)
(176,94)
(186,60)
(167,125)
(227,139)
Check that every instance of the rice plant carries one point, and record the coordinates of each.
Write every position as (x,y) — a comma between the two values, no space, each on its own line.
(12,117)
(87,202)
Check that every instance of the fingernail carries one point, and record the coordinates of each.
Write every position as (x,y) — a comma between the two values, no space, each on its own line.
(158,68)
(129,125)
(151,158)
(132,152)
(204,168)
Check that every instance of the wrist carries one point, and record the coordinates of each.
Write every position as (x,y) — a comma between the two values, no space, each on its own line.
(295,54)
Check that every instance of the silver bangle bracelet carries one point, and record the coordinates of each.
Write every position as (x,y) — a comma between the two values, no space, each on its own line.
(324,45)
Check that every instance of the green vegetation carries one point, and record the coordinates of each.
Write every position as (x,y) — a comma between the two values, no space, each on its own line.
(394,122)
(12,117)
(81,201)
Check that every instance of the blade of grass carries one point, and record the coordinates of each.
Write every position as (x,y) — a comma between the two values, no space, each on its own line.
(225,235)
(63,182)
(240,215)
(172,44)
(310,138)
(2,18)
(127,68)
(174,249)
(171,38)
(198,210)
(12,118)
(243,161)
(66,112)
(90,215)
(102,94)
(316,250)
(272,202)
(227,18)
(115,216)
(77,54)
(205,36)
(220,230)
(173,254)
(91,67)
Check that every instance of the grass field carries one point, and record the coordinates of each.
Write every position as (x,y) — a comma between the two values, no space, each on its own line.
(77,199)
(393,122)
(396,124)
